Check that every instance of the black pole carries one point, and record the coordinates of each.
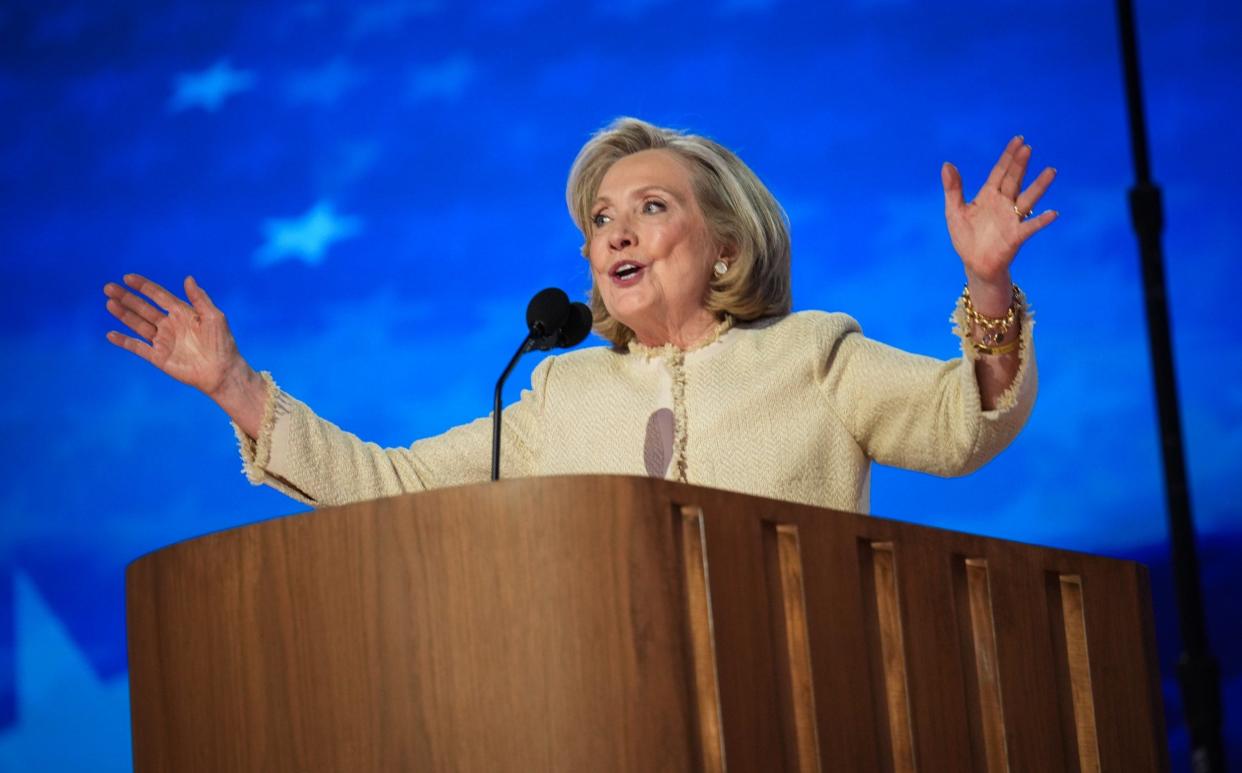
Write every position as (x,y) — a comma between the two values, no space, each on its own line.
(1197,669)
(496,400)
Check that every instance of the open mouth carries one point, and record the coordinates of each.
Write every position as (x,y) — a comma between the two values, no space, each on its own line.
(626,272)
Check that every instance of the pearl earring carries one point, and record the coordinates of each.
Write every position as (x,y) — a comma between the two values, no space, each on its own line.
(721,268)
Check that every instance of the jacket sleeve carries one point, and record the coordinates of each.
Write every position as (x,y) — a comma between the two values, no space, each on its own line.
(907,410)
(316,462)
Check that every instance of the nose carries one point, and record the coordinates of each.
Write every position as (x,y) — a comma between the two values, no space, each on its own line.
(621,236)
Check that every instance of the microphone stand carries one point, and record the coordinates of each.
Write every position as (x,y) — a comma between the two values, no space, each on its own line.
(553,322)
(527,345)
(1196,668)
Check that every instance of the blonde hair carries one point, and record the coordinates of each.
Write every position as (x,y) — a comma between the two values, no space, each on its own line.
(742,216)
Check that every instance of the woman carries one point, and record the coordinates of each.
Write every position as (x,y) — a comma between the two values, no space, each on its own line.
(710,380)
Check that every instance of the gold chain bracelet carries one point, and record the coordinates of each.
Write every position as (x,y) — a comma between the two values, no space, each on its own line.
(994,328)
(1008,348)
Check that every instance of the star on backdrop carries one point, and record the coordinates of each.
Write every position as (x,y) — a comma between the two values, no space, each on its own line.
(60,696)
(306,238)
(209,88)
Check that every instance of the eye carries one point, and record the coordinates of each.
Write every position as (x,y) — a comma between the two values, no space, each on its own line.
(652,206)
(599,219)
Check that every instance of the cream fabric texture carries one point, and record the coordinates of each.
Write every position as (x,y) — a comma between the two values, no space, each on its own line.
(793,408)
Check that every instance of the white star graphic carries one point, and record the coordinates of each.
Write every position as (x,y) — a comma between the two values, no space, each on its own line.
(209,88)
(67,717)
(306,238)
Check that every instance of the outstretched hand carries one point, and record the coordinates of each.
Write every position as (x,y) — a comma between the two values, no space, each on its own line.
(189,341)
(988,231)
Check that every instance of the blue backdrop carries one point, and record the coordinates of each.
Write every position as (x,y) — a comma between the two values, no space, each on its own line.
(373,190)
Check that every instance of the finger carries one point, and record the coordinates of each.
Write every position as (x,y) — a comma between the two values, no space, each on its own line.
(166,300)
(1002,165)
(132,345)
(1037,223)
(198,296)
(132,320)
(951,179)
(134,303)
(1035,191)
(1011,183)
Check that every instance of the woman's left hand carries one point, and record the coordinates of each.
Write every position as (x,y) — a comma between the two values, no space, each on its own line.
(988,231)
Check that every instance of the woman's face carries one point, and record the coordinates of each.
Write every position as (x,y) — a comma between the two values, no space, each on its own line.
(651,251)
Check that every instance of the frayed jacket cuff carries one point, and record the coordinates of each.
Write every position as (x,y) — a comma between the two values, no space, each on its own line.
(257,452)
(1013,395)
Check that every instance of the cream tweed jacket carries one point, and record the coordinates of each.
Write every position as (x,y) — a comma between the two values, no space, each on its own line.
(794,408)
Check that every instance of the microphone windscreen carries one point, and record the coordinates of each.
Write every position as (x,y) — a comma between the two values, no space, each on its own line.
(546,312)
(577,326)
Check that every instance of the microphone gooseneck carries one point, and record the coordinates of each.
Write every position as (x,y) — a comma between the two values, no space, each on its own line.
(552,322)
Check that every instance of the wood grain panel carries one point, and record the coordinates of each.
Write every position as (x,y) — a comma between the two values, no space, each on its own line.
(942,732)
(1116,597)
(702,640)
(1035,737)
(852,731)
(987,698)
(1079,666)
(893,657)
(796,682)
(437,633)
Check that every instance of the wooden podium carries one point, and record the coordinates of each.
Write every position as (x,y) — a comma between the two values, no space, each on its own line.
(628,624)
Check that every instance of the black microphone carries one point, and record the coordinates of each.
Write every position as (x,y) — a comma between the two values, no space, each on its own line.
(552,322)
(545,318)
(577,326)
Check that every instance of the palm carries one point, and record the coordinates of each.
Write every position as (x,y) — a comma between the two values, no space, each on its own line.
(192,351)
(988,231)
(191,343)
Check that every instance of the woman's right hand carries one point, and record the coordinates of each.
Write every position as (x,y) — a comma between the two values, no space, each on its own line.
(190,342)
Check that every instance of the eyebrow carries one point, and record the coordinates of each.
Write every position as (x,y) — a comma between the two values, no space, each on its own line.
(641,192)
